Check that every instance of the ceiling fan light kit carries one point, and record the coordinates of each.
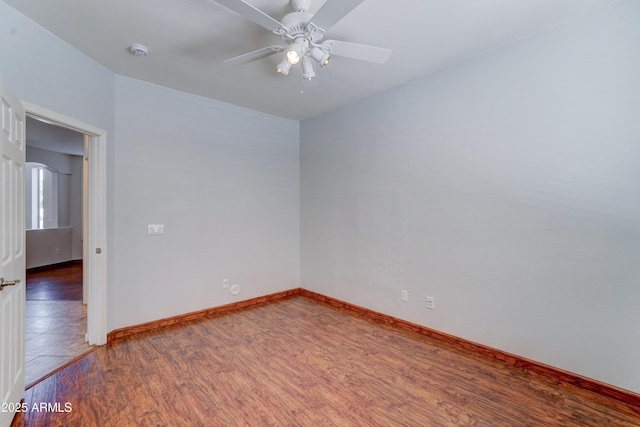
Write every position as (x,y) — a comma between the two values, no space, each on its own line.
(307,69)
(296,51)
(304,38)
(283,67)
(320,56)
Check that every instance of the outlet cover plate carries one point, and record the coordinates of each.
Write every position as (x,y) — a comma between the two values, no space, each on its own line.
(431,304)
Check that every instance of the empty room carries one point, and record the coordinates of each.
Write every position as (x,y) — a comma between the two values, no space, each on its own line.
(332,212)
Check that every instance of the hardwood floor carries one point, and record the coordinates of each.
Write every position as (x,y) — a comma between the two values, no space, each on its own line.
(296,362)
(56,319)
(61,282)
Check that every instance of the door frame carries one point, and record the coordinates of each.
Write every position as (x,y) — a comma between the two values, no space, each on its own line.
(95,243)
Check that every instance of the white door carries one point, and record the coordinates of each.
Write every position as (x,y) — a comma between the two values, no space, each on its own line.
(12,253)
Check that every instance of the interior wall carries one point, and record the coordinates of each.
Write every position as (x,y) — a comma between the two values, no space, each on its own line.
(57,161)
(46,247)
(45,71)
(223,180)
(60,165)
(506,187)
(75,207)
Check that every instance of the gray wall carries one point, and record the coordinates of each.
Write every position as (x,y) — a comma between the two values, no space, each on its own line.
(224,180)
(45,247)
(225,183)
(506,187)
(46,71)
(48,246)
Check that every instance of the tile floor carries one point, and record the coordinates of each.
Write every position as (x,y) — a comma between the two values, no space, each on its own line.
(55,333)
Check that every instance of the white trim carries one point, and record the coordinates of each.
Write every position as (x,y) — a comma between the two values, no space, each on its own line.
(97,219)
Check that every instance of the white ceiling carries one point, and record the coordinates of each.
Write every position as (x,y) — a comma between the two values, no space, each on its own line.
(189,39)
(47,136)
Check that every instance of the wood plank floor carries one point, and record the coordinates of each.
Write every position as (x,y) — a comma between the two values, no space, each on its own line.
(60,282)
(54,336)
(300,363)
(56,319)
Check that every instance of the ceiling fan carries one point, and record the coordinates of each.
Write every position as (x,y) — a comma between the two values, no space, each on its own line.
(303,34)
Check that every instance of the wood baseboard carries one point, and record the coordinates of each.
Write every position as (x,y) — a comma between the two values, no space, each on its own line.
(556,375)
(200,314)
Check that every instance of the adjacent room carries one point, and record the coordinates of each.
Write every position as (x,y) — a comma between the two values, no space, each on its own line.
(55,310)
(431,220)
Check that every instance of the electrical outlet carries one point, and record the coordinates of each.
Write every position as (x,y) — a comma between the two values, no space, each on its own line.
(225,283)
(431,303)
(404,296)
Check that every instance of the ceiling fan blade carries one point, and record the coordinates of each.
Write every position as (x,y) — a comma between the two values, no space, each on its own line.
(253,56)
(252,13)
(333,11)
(361,52)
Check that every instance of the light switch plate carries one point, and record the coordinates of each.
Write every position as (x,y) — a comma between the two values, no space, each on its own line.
(155,229)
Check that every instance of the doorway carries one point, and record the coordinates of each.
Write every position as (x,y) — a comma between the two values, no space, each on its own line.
(95,252)
(55,192)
